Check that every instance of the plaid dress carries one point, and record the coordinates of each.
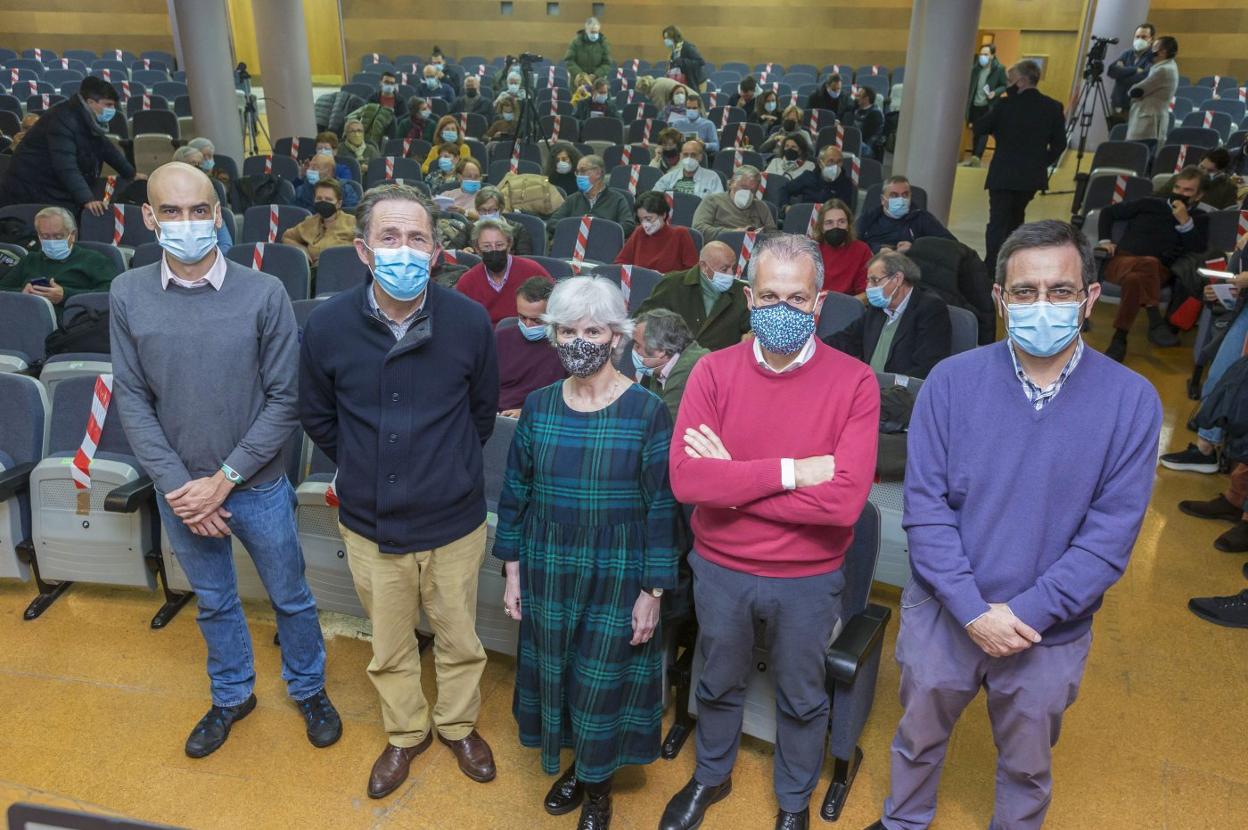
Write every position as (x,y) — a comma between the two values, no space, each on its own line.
(587,511)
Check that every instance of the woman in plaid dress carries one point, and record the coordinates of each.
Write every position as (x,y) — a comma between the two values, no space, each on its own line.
(586,527)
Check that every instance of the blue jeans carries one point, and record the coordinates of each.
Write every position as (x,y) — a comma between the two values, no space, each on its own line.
(263,519)
(1229,351)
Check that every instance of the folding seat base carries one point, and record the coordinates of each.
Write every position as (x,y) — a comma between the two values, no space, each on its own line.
(843,773)
(48,592)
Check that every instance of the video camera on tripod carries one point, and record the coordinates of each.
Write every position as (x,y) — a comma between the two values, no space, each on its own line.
(1094,64)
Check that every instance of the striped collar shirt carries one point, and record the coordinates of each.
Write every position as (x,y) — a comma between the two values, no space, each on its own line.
(1040,397)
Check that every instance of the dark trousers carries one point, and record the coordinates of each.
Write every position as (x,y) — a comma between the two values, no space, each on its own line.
(798,616)
(980,141)
(1007,209)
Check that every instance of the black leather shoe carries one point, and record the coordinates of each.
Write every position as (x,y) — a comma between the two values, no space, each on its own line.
(565,795)
(324,725)
(688,807)
(1234,540)
(793,821)
(596,813)
(879,825)
(214,727)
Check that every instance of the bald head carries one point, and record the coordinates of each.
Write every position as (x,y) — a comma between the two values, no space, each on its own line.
(178,192)
(717,256)
(323,165)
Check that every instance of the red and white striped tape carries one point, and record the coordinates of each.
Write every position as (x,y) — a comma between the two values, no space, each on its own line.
(1243,226)
(481,71)
(147,63)
(626,282)
(626,154)
(34,87)
(80,468)
(723,119)
(147,101)
(875,70)
(1172,101)
(554,133)
(331,492)
(747,250)
(736,157)
(376,58)
(1181,158)
(623,83)
(257,256)
(125,90)
(855,170)
(740,136)
(64,63)
(671,202)
(814,216)
(119,223)
(793,98)
(110,187)
(550,76)
(619,72)
(775,87)
(39,55)
(814,122)
(463,122)
(762,78)
(636,64)
(14,75)
(45,100)
(768,68)
(840,136)
(107,74)
(118,55)
(272,223)
(1207,121)
(712,99)
(389,167)
(449,257)
(268,165)
(631,94)
(853,90)
(515,158)
(1120,190)
(554,101)
(1217,81)
(1243,94)
(645,131)
(762,185)
(633,177)
(582,238)
(294,148)
(407,147)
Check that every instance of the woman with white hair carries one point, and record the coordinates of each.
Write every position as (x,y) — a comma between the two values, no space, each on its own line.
(586,528)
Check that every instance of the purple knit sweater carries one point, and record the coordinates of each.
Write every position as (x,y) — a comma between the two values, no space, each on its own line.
(1038,510)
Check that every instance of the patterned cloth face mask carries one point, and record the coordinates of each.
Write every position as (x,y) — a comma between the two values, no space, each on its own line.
(583,358)
(782,328)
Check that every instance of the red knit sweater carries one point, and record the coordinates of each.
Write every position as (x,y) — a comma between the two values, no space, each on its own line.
(671,249)
(845,269)
(745,520)
(499,303)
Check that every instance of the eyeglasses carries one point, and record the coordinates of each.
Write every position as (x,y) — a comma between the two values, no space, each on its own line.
(1027,296)
(877,281)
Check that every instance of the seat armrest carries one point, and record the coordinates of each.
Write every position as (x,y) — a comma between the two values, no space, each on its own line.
(861,635)
(15,480)
(130,497)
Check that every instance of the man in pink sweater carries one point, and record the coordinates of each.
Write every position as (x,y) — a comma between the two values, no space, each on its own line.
(775,446)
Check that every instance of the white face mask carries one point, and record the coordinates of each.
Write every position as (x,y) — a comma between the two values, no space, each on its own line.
(690,164)
(742,198)
(832,172)
(563,167)
(1140,44)
(651,226)
(678,100)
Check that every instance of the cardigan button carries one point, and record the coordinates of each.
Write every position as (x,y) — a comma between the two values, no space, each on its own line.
(392,478)
(394,438)
(394,397)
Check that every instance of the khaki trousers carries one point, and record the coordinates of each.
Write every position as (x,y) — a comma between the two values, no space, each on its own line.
(394,588)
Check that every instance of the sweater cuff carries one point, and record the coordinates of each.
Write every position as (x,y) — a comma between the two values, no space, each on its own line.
(1029,607)
(966,607)
(241,462)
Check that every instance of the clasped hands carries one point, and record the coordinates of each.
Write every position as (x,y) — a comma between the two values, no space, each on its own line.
(1001,634)
(198,504)
(807,472)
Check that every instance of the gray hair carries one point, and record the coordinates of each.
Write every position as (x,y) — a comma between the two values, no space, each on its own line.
(483,225)
(747,171)
(185,152)
(591,21)
(390,192)
(202,144)
(486,193)
(895,263)
(786,246)
(1030,70)
(595,162)
(65,216)
(1048,233)
(666,331)
(587,297)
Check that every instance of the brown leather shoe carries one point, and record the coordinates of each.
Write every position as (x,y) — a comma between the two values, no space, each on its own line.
(390,769)
(474,757)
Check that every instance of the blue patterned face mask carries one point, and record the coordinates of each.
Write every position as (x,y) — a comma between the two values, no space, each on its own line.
(781,328)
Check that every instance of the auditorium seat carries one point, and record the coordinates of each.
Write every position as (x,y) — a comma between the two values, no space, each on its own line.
(603,243)
(23,439)
(288,263)
(641,282)
(25,323)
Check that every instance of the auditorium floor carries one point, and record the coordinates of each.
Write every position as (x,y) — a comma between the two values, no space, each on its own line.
(94,706)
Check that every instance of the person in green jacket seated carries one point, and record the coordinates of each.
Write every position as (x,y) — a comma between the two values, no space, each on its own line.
(588,52)
(593,198)
(60,268)
(708,297)
(663,355)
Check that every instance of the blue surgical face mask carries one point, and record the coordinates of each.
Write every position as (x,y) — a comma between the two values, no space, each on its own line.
(401,272)
(898,206)
(641,368)
(1043,329)
(877,297)
(312,177)
(445,164)
(669,43)
(106,115)
(721,281)
(432,83)
(188,242)
(450,136)
(470,185)
(208,165)
(57,249)
(770,106)
(509,116)
(513,88)
(583,183)
(600,99)
(532,333)
(983,60)
(592,37)
(782,328)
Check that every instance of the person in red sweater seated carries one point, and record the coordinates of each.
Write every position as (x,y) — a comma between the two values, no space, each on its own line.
(845,257)
(493,282)
(655,244)
(526,360)
(775,448)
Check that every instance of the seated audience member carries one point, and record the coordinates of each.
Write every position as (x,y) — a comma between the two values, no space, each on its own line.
(468,171)
(1158,232)
(472,100)
(790,124)
(793,159)
(832,179)
(419,121)
(60,267)
(354,146)
(493,281)
(845,258)
(327,145)
(598,104)
(513,88)
(561,166)
(906,329)
(739,209)
(870,123)
(708,296)
(29,120)
(526,359)
(489,205)
(452,75)
(766,112)
(328,226)
(1220,190)
(690,176)
(665,154)
(507,117)
(693,123)
(664,353)
(446,133)
(387,95)
(893,223)
(319,168)
(593,198)
(582,88)
(675,104)
(656,244)
(1239,159)
(830,96)
(744,96)
(442,175)
(435,86)
(209,151)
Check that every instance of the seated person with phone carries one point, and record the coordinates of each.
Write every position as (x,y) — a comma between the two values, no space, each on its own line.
(739,209)
(59,268)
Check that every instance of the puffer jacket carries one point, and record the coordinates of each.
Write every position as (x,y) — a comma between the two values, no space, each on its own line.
(591,58)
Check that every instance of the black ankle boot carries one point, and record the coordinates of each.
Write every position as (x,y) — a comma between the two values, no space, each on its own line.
(1117,348)
(566,794)
(596,811)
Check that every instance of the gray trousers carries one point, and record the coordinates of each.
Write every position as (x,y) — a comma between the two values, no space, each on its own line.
(798,616)
(942,671)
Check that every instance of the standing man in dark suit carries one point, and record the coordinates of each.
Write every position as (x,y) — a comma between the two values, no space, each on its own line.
(906,329)
(1131,67)
(1030,134)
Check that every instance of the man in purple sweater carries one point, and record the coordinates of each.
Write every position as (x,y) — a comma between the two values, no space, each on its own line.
(1030,467)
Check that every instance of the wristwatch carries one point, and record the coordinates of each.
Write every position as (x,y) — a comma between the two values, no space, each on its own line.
(231,476)
(657,593)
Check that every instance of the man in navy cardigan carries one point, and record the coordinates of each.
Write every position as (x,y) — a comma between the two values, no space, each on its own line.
(1013,544)
(401,392)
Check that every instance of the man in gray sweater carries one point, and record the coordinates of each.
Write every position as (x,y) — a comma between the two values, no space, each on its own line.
(205,362)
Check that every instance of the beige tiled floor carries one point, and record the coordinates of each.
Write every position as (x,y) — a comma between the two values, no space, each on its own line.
(94,706)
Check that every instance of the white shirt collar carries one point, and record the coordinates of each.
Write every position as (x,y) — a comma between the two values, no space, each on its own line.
(807,351)
(893,314)
(214,277)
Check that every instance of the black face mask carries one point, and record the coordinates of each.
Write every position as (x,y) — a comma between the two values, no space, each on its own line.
(471,93)
(836,237)
(1175,197)
(790,125)
(790,154)
(671,155)
(494,261)
(325,209)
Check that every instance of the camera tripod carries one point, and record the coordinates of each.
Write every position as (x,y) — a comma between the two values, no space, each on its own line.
(528,122)
(252,127)
(1092,99)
